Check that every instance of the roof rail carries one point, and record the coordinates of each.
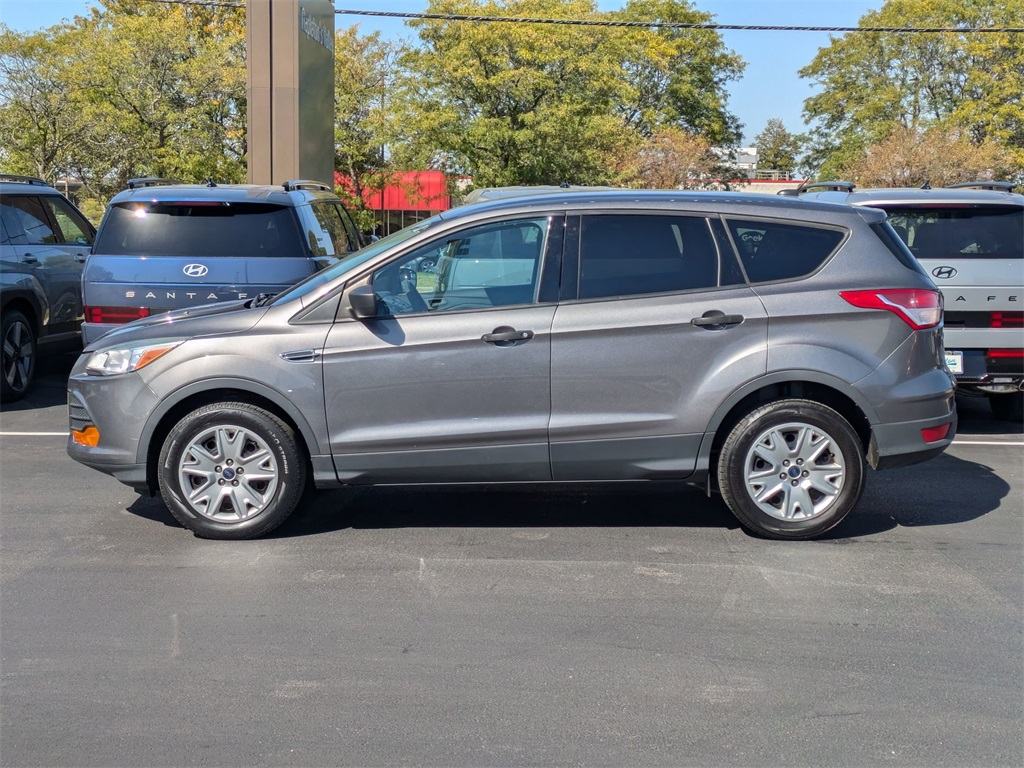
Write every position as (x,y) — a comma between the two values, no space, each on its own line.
(22,179)
(829,186)
(151,181)
(996,186)
(291,186)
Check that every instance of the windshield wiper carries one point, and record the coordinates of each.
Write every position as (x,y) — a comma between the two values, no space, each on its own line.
(262,298)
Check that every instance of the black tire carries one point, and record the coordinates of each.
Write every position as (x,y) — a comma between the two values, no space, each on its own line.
(250,454)
(19,356)
(1007,407)
(753,460)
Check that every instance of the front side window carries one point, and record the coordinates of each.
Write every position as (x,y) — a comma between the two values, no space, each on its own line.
(961,232)
(777,250)
(201,229)
(632,255)
(492,265)
(26,221)
(72,226)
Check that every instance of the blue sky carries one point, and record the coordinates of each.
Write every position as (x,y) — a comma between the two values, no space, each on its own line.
(769,88)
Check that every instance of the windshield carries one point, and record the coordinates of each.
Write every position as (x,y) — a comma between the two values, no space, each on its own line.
(318,280)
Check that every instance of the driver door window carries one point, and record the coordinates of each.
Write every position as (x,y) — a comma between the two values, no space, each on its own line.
(492,265)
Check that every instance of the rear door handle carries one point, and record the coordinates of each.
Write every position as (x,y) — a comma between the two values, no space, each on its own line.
(715,319)
(506,336)
(30,258)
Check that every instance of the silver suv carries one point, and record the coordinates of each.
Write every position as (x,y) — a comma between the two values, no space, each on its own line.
(44,241)
(164,245)
(970,239)
(765,348)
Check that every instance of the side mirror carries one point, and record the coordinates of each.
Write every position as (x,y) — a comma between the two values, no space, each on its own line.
(363,301)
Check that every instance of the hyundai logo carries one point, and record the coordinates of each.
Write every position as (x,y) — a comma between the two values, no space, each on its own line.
(944,273)
(198,270)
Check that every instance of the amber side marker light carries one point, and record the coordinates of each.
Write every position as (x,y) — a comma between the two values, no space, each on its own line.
(89,436)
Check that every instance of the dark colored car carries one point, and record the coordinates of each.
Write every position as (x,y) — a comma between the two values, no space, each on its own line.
(44,241)
(164,246)
(767,348)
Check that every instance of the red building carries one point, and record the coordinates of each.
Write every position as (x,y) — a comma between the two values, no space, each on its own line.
(412,196)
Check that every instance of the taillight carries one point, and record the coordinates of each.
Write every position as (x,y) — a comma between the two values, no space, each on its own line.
(917,307)
(1006,354)
(1006,320)
(115,315)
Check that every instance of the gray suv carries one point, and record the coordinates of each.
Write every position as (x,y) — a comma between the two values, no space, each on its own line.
(764,348)
(164,245)
(44,241)
(970,239)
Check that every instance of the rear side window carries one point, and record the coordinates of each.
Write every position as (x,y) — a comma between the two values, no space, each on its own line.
(73,227)
(775,250)
(200,229)
(960,232)
(622,255)
(337,234)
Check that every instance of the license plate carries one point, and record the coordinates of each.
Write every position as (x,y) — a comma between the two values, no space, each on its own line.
(954,361)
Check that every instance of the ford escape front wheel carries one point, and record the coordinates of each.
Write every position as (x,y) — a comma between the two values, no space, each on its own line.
(792,469)
(231,471)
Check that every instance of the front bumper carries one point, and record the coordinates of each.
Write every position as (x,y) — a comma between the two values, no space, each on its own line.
(118,407)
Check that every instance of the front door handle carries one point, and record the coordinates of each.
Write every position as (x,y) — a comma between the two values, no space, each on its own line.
(506,336)
(30,258)
(715,319)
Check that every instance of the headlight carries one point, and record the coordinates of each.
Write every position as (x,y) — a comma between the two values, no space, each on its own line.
(126,359)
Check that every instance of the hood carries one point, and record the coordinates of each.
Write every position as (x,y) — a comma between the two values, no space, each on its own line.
(207,320)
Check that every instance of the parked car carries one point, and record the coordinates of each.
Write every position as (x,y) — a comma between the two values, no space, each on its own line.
(44,240)
(970,239)
(576,337)
(163,245)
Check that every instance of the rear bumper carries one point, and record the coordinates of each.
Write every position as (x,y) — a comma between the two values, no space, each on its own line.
(902,443)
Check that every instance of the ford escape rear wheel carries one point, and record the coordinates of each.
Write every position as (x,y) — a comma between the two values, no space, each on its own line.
(792,469)
(231,471)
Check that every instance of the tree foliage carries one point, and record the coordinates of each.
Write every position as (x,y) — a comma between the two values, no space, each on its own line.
(778,148)
(672,159)
(912,157)
(517,103)
(134,89)
(874,83)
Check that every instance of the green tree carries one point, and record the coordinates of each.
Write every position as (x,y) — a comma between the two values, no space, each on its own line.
(367,84)
(777,148)
(872,83)
(133,89)
(519,103)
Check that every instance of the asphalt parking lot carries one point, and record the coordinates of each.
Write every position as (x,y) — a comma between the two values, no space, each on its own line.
(595,625)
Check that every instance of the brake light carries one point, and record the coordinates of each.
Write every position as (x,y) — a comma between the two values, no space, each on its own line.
(1006,320)
(115,315)
(919,308)
(1006,353)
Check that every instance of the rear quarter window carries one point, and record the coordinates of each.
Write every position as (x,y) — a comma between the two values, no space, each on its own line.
(775,250)
(204,230)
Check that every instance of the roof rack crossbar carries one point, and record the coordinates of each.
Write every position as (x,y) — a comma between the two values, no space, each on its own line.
(997,186)
(150,181)
(830,186)
(22,179)
(291,186)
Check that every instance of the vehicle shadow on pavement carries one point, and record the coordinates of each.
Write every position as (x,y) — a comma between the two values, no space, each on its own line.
(50,386)
(908,497)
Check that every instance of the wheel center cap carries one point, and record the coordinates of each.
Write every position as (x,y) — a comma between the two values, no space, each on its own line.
(794,472)
(229,474)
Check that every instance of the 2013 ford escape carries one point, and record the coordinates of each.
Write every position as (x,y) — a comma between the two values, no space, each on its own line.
(764,347)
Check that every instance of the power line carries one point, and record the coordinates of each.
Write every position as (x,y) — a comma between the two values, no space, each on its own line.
(620,23)
(665,24)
